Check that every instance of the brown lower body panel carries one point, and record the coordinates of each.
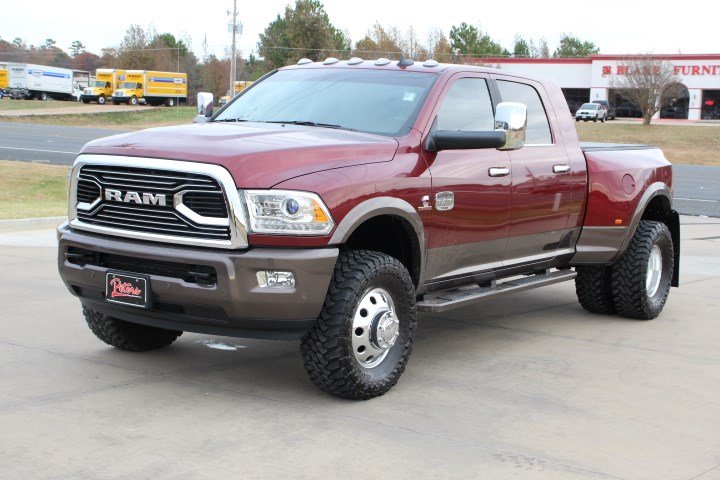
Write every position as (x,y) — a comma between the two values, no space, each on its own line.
(199,289)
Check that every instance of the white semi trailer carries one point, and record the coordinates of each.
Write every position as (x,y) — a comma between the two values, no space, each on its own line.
(29,81)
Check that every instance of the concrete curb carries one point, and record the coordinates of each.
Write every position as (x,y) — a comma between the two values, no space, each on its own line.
(23,224)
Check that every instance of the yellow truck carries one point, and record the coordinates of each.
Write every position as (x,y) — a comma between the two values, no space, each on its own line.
(240,85)
(152,88)
(3,79)
(100,90)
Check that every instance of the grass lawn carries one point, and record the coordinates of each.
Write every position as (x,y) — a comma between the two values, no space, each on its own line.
(9,104)
(695,145)
(129,120)
(30,190)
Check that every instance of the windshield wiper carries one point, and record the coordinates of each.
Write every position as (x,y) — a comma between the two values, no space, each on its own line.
(306,123)
(231,120)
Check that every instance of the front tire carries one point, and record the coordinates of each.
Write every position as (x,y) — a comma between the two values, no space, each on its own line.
(101,100)
(133,100)
(363,337)
(128,336)
(640,280)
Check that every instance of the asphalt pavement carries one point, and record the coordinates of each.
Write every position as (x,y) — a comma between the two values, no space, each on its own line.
(697,188)
(527,388)
(27,142)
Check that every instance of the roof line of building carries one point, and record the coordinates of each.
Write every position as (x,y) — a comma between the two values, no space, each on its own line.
(591,58)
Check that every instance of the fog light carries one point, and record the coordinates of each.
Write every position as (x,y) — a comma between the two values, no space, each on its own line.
(273,279)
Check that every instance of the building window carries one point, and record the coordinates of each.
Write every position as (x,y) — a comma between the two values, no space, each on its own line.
(710,105)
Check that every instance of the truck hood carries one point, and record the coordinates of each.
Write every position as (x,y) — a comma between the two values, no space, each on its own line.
(257,155)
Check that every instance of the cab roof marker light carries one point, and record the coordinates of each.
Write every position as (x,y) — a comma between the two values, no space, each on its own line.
(355,61)
(430,63)
(381,61)
(330,61)
(304,61)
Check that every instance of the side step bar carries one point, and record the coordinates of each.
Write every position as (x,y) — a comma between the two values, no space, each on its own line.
(460,298)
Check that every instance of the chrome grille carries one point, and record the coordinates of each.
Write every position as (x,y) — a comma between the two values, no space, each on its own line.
(87,191)
(206,204)
(125,212)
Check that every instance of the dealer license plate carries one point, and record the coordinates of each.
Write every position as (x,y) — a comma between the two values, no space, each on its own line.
(133,290)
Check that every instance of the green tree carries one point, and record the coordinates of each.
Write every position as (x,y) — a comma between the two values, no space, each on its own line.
(77,48)
(168,53)
(521,48)
(49,44)
(571,46)
(469,40)
(304,30)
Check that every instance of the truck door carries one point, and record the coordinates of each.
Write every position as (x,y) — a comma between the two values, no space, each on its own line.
(541,179)
(470,198)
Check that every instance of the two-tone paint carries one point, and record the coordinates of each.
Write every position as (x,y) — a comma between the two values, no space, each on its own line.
(558,205)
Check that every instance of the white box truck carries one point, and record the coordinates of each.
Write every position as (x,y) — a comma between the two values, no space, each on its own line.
(29,81)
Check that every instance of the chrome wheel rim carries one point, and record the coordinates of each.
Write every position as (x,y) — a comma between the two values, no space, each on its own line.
(375,327)
(654,271)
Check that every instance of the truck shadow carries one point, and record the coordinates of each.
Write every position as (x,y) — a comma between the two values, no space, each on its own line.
(475,335)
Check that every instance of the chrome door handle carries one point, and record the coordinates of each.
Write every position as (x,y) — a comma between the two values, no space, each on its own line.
(498,171)
(561,168)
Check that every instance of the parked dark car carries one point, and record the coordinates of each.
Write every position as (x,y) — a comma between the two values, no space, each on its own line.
(609,109)
(628,109)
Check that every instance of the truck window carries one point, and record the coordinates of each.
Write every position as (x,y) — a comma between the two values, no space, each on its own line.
(372,101)
(538,128)
(467,107)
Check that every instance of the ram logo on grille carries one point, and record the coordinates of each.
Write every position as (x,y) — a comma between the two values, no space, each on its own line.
(141,198)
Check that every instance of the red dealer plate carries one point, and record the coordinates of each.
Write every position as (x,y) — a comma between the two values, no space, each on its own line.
(126,289)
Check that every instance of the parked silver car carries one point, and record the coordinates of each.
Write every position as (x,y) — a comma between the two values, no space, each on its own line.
(591,111)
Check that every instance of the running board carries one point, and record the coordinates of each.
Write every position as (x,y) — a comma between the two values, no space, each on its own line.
(461,298)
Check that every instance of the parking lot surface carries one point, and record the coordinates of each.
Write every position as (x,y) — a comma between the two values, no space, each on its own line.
(527,387)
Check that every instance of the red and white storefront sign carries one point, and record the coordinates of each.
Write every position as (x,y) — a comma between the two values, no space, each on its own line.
(700,74)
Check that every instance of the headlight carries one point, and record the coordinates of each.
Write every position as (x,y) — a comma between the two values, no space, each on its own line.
(287,212)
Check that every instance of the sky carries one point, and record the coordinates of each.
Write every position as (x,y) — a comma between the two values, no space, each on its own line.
(615,26)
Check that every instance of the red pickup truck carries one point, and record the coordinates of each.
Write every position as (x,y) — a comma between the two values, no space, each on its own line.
(332,201)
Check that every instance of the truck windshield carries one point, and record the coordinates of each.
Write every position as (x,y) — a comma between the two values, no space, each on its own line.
(130,85)
(97,84)
(372,101)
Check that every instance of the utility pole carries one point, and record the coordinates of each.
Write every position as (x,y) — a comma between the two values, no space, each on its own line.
(233,65)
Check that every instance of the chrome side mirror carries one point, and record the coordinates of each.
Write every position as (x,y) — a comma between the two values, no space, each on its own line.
(204,107)
(511,118)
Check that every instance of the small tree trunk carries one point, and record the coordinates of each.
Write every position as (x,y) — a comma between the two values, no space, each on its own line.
(647,117)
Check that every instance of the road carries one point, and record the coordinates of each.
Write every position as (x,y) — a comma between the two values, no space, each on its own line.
(532,388)
(697,188)
(27,142)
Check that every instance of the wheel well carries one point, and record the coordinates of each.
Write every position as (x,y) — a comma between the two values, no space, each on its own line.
(391,235)
(660,210)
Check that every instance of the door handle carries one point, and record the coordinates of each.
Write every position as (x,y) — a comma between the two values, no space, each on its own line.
(561,168)
(498,171)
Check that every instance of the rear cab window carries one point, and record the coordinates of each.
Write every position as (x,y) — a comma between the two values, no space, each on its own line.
(538,127)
